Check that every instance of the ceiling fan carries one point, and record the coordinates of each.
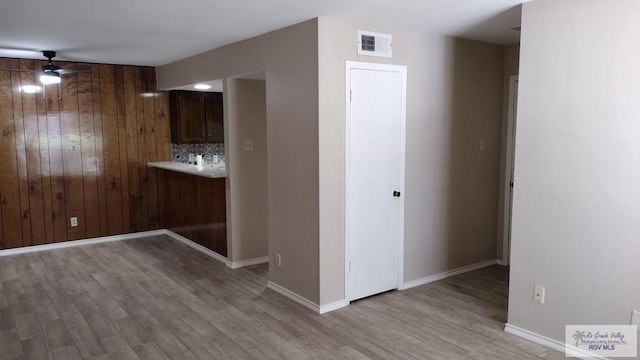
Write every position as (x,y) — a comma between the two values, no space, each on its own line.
(50,73)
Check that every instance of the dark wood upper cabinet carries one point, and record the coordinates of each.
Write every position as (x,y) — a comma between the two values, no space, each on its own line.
(215,117)
(196,117)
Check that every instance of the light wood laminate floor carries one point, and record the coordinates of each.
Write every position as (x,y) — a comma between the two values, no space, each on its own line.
(155,298)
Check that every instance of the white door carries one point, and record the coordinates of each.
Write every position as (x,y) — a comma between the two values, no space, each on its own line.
(375,177)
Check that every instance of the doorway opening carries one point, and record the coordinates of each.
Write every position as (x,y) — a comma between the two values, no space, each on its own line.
(246,155)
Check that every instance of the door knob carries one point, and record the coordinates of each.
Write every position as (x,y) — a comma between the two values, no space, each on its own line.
(396,193)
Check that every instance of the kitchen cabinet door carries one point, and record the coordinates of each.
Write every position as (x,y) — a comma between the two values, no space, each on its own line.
(196,117)
(188,125)
(215,118)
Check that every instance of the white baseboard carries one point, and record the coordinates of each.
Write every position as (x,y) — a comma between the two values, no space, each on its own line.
(293,296)
(501,262)
(230,264)
(197,246)
(446,274)
(248,262)
(569,350)
(306,302)
(333,306)
(142,234)
(74,243)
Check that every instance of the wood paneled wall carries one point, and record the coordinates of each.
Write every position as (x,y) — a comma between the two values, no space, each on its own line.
(79,149)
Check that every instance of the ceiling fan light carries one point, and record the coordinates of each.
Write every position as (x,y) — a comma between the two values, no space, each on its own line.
(50,78)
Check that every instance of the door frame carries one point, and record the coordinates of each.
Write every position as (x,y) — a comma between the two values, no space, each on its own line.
(402,69)
(509,169)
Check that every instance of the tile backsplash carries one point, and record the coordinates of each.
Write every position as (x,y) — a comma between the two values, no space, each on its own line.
(180,152)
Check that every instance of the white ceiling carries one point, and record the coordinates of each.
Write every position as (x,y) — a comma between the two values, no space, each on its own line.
(156,32)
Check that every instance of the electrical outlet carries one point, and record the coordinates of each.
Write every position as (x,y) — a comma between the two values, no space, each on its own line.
(635,318)
(74,221)
(247,145)
(278,260)
(538,294)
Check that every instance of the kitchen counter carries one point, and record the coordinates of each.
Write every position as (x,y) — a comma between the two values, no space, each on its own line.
(208,171)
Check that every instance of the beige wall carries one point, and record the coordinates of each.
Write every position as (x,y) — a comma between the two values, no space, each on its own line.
(577,202)
(289,58)
(511,65)
(454,100)
(247,170)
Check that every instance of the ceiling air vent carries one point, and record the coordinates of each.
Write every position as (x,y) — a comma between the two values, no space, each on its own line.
(374,44)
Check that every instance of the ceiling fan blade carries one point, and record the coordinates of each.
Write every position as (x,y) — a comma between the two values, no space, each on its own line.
(63,71)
